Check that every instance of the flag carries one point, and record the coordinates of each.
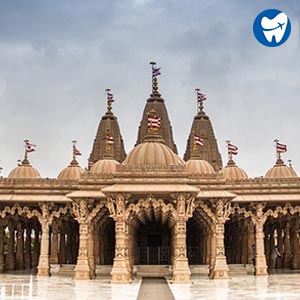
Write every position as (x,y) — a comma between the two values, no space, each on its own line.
(232,149)
(198,141)
(76,151)
(201,96)
(281,148)
(29,147)
(154,122)
(110,97)
(109,139)
(155,72)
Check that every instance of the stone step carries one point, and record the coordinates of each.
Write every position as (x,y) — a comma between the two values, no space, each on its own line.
(152,270)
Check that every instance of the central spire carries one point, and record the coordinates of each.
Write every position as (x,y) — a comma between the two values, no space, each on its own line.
(156,103)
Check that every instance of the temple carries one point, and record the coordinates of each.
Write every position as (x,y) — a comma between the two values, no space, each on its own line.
(150,212)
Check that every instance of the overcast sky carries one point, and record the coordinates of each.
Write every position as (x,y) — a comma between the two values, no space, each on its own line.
(57,57)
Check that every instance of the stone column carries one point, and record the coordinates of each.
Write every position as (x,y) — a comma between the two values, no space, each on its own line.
(208,247)
(97,244)
(260,258)
(181,270)
(91,251)
(20,247)
(213,251)
(10,256)
(36,246)
(44,263)
(1,248)
(54,244)
(62,244)
(27,254)
(250,241)
(220,267)
(82,269)
(287,256)
(296,247)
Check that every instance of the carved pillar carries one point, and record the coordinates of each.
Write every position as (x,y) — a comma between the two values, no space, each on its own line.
(296,247)
(213,248)
(97,244)
(10,257)
(220,267)
(181,270)
(20,247)
(259,220)
(250,242)
(27,254)
(280,245)
(120,272)
(44,263)
(91,251)
(62,243)
(208,246)
(54,244)
(287,256)
(1,247)
(82,269)
(36,246)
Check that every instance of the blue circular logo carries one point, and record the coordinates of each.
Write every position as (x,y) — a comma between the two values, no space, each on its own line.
(272,27)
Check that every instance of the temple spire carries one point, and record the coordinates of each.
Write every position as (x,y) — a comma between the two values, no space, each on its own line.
(108,125)
(203,128)
(157,103)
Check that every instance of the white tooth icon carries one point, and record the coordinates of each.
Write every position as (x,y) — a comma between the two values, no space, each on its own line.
(274,27)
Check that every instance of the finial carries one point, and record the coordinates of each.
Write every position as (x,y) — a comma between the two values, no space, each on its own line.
(110,100)
(290,163)
(200,98)
(155,73)
(280,148)
(19,161)
(153,121)
(75,152)
(109,142)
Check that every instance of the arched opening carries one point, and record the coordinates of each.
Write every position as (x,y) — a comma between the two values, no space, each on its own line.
(153,244)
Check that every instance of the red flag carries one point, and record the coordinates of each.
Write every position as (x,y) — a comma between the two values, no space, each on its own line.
(198,141)
(281,148)
(110,97)
(232,149)
(109,139)
(29,147)
(76,151)
(155,72)
(201,96)
(154,122)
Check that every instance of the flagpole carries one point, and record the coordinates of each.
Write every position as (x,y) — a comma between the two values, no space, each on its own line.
(198,108)
(229,153)
(153,63)
(74,145)
(277,153)
(26,152)
(109,107)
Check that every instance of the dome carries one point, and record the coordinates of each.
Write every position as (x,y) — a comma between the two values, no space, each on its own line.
(153,152)
(199,166)
(24,170)
(280,170)
(104,166)
(72,172)
(233,172)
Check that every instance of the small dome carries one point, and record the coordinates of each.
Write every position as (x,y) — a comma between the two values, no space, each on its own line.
(153,152)
(199,166)
(233,172)
(25,170)
(72,172)
(104,166)
(280,170)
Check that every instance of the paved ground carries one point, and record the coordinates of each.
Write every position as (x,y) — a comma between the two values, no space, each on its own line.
(285,286)
(155,289)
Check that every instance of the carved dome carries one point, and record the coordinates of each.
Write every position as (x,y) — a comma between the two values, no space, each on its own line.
(233,172)
(199,166)
(72,172)
(153,152)
(280,170)
(24,170)
(104,166)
